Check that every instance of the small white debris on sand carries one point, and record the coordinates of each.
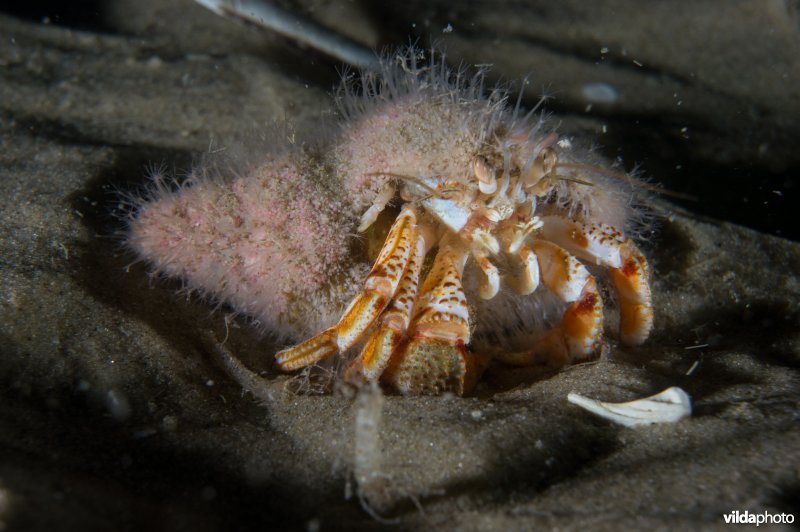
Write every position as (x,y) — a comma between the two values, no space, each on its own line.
(669,406)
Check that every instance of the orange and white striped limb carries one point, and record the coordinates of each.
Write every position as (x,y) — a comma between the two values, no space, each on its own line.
(526,279)
(606,246)
(435,357)
(394,323)
(380,287)
(579,333)
(633,290)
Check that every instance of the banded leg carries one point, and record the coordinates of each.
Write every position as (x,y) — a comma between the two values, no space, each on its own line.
(435,358)
(371,214)
(606,246)
(489,283)
(379,289)
(579,333)
(633,290)
(375,355)
(526,280)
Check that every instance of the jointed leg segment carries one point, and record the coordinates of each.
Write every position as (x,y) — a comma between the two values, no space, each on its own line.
(633,290)
(395,321)
(379,289)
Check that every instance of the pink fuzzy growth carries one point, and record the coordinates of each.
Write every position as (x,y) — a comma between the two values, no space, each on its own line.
(262,243)
(415,136)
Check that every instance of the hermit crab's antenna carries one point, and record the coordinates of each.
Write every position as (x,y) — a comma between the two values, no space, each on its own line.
(416,180)
(622,177)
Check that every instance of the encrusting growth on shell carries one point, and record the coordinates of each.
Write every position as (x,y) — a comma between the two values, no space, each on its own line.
(508,212)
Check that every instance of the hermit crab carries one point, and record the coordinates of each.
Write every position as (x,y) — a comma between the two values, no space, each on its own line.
(495,223)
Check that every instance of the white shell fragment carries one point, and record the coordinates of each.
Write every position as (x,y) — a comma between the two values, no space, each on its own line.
(669,406)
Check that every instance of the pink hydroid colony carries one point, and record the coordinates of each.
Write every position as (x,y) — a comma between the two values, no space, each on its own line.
(268,242)
(277,240)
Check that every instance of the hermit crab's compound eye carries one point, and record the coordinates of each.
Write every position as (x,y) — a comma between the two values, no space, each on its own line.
(542,167)
(549,160)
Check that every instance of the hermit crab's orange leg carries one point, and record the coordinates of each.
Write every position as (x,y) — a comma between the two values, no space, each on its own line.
(606,246)
(579,332)
(633,289)
(527,278)
(435,357)
(379,289)
(489,283)
(394,322)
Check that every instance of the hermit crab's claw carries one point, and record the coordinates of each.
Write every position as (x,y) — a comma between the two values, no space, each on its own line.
(379,288)
(434,365)
(435,357)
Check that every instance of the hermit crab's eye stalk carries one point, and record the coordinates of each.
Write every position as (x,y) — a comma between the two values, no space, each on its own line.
(542,167)
(487,182)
